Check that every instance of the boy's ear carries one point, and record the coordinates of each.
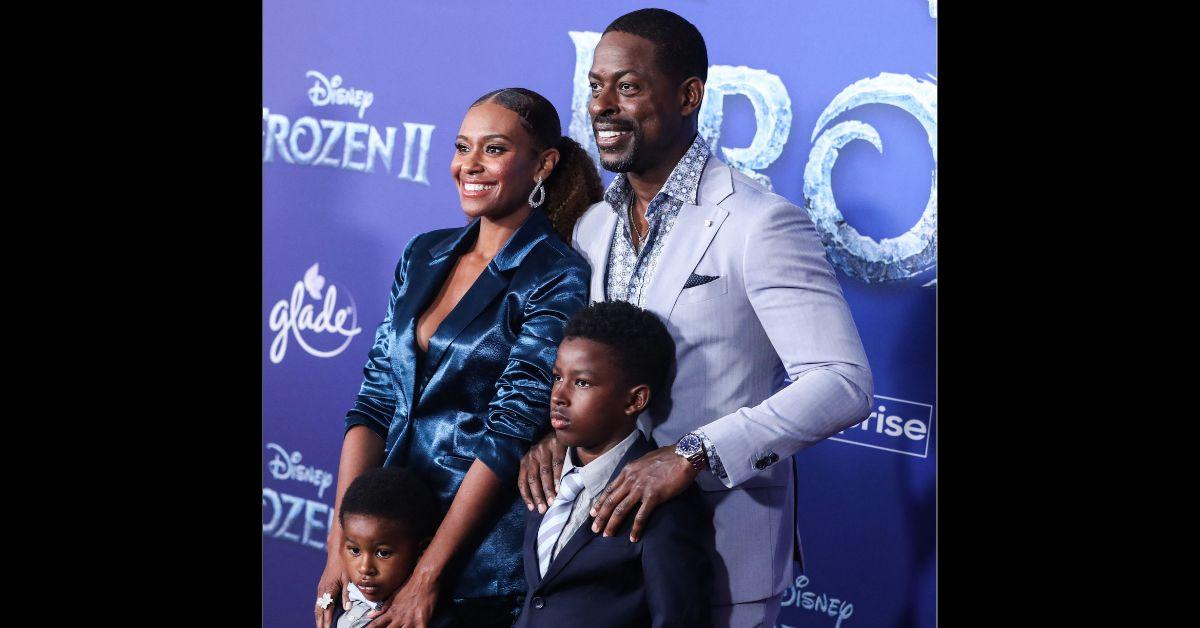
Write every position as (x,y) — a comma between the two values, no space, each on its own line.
(639,398)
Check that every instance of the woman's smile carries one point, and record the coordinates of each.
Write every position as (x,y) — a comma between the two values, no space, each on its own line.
(476,190)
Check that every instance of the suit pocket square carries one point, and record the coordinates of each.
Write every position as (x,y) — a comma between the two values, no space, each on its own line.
(698,280)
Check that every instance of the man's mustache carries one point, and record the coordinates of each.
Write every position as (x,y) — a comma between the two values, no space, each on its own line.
(611,124)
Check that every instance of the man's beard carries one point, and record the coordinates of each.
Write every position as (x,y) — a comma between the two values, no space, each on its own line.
(623,163)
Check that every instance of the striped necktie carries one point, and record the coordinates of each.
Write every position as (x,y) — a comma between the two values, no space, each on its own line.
(557,517)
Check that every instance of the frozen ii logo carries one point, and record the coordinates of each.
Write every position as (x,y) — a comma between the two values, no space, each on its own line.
(857,255)
(329,91)
(342,144)
(297,317)
(285,466)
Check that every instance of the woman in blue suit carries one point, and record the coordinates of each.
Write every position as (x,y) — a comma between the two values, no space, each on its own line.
(457,383)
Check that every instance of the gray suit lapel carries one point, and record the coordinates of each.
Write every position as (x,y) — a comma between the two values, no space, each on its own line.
(583,534)
(695,228)
(599,250)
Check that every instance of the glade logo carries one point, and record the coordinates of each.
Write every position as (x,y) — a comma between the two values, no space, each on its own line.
(896,425)
(818,603)
(329,91)
(285,466)
(293,317)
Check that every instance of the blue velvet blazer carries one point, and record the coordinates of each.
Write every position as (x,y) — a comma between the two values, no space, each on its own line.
(482,390)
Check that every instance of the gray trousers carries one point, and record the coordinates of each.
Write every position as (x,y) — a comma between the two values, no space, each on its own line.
(758,614)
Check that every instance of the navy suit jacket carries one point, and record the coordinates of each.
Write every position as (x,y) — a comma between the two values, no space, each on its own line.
(482,390)
(664,579)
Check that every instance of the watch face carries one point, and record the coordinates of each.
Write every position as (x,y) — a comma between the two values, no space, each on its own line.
(689,445)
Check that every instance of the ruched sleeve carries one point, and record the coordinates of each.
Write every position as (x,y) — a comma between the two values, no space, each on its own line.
(519,413)
(376,402)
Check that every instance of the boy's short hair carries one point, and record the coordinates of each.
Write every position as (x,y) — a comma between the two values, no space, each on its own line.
(639,341)
(394,494)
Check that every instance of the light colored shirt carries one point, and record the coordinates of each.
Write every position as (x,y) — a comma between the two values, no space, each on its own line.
(356,617)
(595,476)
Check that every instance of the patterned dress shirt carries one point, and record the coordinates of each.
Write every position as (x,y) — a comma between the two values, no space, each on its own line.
(629,269)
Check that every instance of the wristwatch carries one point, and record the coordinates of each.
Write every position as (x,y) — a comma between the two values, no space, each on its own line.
(692,450)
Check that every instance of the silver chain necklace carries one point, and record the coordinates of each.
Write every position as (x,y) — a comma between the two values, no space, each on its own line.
(633,223)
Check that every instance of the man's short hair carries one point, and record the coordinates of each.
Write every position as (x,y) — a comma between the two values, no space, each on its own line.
(394,494)
(680,47)
(638,340)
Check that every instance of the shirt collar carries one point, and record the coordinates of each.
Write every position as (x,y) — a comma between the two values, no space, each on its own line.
(595,474)
(682,184)
(537,226)
(357,596)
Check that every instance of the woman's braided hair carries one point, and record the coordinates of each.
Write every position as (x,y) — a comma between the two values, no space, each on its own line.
(574,184)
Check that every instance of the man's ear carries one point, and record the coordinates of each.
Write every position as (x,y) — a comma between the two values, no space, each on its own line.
(639,398)
(691,96)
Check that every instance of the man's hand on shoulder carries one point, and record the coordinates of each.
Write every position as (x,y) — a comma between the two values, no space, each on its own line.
(652,479)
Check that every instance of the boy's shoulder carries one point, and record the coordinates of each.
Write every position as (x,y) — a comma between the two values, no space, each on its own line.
(686,514)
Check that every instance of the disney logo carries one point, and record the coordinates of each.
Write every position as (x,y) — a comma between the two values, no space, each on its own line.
(327,91)
(295,316)
(285,466)
(818,603)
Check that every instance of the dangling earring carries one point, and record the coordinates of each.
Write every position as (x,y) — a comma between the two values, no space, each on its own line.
(540,191)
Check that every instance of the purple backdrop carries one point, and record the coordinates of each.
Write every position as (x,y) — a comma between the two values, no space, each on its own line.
(361,102)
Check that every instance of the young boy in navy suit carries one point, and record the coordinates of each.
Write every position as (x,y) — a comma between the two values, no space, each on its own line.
(613,358)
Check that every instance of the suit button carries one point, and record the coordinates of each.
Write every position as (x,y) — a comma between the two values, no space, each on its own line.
(538,602)
(774,458)
(761,464)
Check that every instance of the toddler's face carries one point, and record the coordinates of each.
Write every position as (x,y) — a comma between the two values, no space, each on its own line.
(379,554)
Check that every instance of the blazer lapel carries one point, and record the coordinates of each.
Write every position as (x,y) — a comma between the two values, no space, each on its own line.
(422,283)
(584,534)
(695,228)
(491,282)
(533,521)
(598,251)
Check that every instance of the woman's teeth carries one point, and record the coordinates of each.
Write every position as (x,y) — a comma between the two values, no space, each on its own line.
(476,187)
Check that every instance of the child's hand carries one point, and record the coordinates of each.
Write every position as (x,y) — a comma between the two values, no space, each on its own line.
(333,581)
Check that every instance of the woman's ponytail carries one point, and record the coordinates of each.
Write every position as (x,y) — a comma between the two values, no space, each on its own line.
(572,187)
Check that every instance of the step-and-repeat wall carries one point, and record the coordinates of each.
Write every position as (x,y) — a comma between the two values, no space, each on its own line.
(832,103)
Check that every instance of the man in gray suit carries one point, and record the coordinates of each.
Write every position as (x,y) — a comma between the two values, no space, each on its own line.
(768,360)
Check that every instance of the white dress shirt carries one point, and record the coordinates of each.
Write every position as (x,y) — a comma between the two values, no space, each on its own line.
(595,477)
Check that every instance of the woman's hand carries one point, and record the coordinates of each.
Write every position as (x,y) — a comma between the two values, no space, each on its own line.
(411,606)
(333,581)
(537,479)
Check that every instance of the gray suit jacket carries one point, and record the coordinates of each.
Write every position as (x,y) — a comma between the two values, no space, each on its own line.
(768,361)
